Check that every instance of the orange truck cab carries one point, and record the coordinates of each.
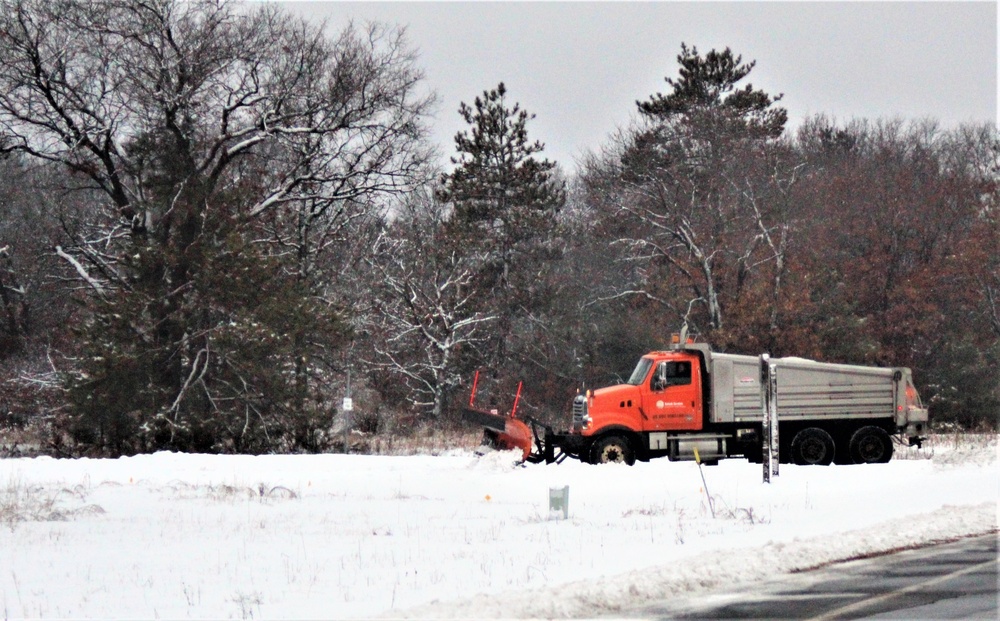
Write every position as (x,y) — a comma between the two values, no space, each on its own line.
(664,394)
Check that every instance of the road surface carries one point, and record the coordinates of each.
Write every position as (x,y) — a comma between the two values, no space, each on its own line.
(948,581)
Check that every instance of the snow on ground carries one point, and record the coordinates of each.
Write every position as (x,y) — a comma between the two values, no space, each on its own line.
(335,536)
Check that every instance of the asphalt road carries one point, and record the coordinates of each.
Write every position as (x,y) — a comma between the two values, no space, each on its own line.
(949,581)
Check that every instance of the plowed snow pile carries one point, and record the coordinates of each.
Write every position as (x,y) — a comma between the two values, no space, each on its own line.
(333,536)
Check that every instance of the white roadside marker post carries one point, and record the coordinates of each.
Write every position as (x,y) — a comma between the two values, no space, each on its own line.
(704,484)
(772,388)
(347,407)
(769,409)
(559,503)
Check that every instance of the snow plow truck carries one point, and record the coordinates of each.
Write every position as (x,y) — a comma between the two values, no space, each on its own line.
(689,401)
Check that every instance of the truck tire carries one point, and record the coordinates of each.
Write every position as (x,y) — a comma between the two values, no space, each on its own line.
(813,447)
(613,449)
(871,445)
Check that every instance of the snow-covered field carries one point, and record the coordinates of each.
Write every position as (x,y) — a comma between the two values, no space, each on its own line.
(334,536)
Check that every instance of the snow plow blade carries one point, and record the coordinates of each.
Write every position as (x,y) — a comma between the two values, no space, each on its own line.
(508,432)
(502,432)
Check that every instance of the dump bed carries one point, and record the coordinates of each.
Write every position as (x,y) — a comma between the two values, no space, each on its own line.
(807,390)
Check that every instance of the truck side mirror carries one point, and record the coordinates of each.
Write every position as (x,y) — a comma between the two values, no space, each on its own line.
(660,379)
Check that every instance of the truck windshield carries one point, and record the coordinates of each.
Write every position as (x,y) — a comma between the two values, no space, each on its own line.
(641,371)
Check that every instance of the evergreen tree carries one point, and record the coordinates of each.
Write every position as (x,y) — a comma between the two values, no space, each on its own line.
(706,94)
(500,192)
(505,201)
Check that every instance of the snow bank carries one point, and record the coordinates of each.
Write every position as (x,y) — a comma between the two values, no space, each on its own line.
(686,576)
(335,536)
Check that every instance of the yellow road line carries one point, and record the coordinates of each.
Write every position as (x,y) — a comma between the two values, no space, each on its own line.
(873,601)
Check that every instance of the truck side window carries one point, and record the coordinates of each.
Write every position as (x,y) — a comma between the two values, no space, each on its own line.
(671,374)
(682,374)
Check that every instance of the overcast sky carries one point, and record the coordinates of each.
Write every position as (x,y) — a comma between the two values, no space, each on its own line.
(580,67)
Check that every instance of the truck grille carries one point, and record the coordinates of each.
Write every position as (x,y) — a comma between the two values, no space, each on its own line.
(579,410)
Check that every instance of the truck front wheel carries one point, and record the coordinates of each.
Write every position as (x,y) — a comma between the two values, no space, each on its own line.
(812,447)
(871,445)
(612,449)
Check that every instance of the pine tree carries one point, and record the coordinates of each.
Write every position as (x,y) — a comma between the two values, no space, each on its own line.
(500,191)
(505,201)
(706,92)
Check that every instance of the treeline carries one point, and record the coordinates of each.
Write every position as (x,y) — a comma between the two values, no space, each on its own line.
(212,216)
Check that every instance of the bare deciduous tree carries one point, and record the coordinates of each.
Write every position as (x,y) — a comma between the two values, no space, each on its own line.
(206,129)
(429,305)
(677,194)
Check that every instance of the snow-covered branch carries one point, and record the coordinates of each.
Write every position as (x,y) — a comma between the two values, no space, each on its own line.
(81,271)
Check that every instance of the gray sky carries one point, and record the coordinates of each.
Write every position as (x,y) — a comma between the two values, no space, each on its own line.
(580,67)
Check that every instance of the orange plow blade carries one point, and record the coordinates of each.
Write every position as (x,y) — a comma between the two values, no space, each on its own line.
(508,432)
(503,432)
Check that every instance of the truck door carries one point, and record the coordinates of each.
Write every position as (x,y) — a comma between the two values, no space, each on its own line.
(672,399)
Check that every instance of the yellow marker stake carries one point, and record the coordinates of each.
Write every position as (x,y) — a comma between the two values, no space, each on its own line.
(697,460)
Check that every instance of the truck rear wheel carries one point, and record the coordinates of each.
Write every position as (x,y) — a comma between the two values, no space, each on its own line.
(813,447)
(871,445)
(612,449)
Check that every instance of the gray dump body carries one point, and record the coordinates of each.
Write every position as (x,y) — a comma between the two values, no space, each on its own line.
(809,390)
